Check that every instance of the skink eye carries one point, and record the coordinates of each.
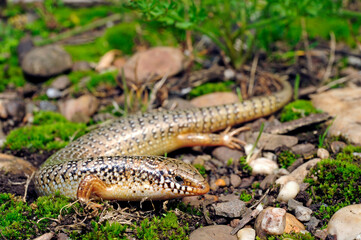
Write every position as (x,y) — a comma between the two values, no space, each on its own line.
(179,179)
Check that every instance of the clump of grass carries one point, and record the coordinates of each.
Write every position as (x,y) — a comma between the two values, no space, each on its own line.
(107,230)
(201,169)
(297,109)
(246,197)
(293,236)
(335,183)
(286,158)
(51,131)
(244,166)
(210,88)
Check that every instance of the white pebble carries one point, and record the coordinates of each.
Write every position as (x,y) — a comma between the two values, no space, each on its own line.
(288,191)
(346,223)
(53,93)
(246,234)
(263,166)
(323,153)
(303,213)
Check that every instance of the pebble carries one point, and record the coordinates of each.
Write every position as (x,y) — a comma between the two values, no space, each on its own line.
(215,99)
(220,182)
(293,225)
(235,180)
(248,149)
(224,154)
(303,149)
(246,234)
(345,224)
(299,173)
(268,181)
(292,204)
(151,65)
(60,83)
(46,61)
(47,106)
(53,93)
(231,209)
(15,165)
(263,166)
(82,66)
(323,153)
(312,224)
(337,146)
(213,232)
(288,191)
(12,108)
(46,236)
(273,141)
(80,109)
(270,221)
(303,213)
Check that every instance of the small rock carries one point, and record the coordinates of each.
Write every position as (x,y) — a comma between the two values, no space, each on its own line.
(273,141)
(80,109)
(220,182)
(61,82)
(46,236)
(25,45)
(270,221)
(303,149)
(299,173)
(263,166)
(82,66)
(354,61)
(292,204)
(346,222)
(62,236)
(292,224)
(229,74)
(224,154)
(53,93)
(46,61)
(270,156)
(312,224)
(12,108)
(228,198)
(47,106)
(268,181)
(321,234)
(248,148)
(15,165)
(178,103)
(246,234)
(193,201)
(151,65)
(337,146)
(247,182)
(288,191)
(303,213)
(235,180)
(231,209)
(323,153)
(213,232)
(214,99)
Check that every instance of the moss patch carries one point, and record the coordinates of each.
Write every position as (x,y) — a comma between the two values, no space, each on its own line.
(297,109)
(51,131)
(210,88)
(286,158)
(335,183)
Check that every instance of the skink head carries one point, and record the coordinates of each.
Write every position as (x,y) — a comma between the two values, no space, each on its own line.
(183,179)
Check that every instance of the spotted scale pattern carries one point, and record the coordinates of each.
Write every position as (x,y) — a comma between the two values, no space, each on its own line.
(152,133)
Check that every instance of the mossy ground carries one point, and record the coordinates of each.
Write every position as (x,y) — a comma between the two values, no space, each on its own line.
(335,183)
(51,131)
(296,110)
(21,220)
(286,158)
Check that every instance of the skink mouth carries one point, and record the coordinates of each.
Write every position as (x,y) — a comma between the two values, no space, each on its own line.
(202,189)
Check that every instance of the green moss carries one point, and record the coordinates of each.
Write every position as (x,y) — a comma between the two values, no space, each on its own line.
(210,88)
(245,196)
(286,158)
(201,169)
(244,166)
(20,220)
(108,78)
(166,227)
(335,183)
(293,236)
(103,231)
(297,109)
(121,37)
(48,136)
(90,52)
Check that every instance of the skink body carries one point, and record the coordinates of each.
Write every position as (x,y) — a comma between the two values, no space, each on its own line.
(111,162)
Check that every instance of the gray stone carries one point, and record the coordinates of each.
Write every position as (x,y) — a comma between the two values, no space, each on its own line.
(214,232)
(235,180)
(46,61)
(224,154)
(303,213)
(305,148)
(312,224)
(61,82)
(53,93)
(47,106)
(273,141)
(293,204)
(231,209)
(228,198)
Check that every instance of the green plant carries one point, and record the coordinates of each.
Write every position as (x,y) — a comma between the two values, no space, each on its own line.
(245,196)
(47,135)
(201,169)
(210,88)
(335,183)
(322,137)
(244,165)
(297,109)
(286,158)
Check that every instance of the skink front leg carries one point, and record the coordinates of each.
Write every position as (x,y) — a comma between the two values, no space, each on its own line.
(91,186)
